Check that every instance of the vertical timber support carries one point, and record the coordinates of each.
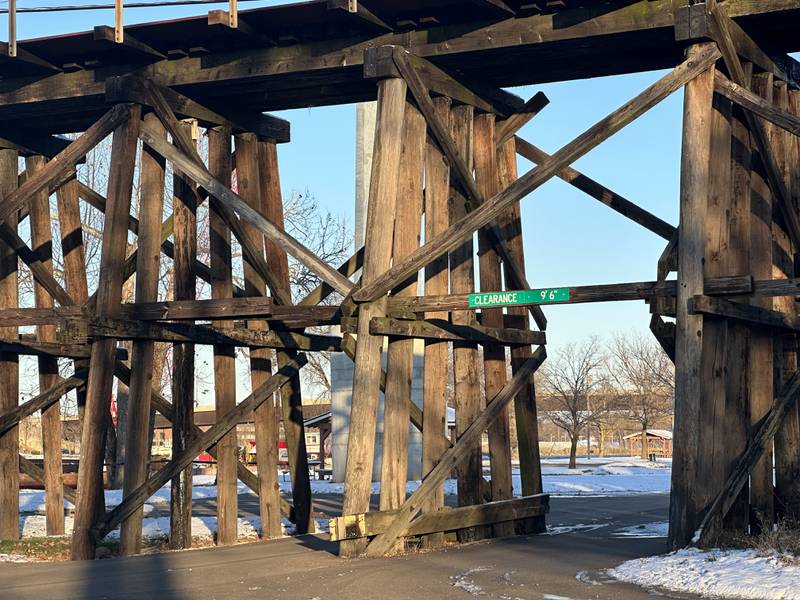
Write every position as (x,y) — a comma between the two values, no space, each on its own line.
(437,282)
(787,438)
(466,367)
(494,355)
(266,423)
(761,346)
(377,259)
(697,122)
(400,354)
(151,209)
(184,207)
(525,413)
(722,427)
(42,243)
(103,354)
(9,364)
(220,165)
(736,424)
(72,250)
(291,400)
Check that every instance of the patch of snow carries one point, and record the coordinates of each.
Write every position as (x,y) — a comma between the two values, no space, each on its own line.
(555,597)
(464,581)
(14,558)
(658,529)
(745,574)
(562,529)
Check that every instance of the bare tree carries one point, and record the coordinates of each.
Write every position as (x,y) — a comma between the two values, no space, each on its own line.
(645,379)
(569,380)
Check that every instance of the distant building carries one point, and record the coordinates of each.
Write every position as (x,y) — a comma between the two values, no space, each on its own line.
(659,442)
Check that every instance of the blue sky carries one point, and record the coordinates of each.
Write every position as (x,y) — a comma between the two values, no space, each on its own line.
(570,238)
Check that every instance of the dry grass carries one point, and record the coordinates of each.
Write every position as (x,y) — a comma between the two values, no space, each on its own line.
(782,539)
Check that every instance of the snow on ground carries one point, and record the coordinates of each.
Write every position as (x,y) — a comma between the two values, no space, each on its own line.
(596,477)
(746,574)
(646,530)
(562,529)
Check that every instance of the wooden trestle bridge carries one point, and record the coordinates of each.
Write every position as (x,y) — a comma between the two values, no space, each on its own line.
(445,147)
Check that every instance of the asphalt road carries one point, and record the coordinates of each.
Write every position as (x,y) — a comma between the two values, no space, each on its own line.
(548,567)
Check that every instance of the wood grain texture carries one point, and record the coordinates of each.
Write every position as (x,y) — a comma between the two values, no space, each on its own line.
(400,352)
(9,365)
(367,373)
(697,122)
(487,178)
(151,209)
(98,394)
(220,166)
(42,243)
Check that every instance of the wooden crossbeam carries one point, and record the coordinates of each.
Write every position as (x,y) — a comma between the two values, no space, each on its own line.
(499,204)
(198,445)
(107,37)
(439,329)
(130,88)
(34,471)
(720,307)
(42,401)
(711,524)
(360,11)
(756,104)
(504,130)
(64,160)
(614,292)
(206,334)
(447,519)
(453,457)
(33,347)
(225,308)
(408,69)
(28,144)
(722,28)
(199,174)
(599,192)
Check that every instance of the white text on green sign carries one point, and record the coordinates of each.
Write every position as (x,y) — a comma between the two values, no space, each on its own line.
(542,296)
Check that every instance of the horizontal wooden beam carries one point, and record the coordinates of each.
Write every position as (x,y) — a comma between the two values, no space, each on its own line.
(620,36)
(613,292)
(218,309)
(130,88)
(350,527)
(720,307)
(131,48)
(209,335)
(35,472)
(440,329)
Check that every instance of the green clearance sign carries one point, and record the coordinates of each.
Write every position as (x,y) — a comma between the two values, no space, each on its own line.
(542,296)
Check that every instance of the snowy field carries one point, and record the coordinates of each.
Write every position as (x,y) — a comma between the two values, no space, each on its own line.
(596,477)
(716,574)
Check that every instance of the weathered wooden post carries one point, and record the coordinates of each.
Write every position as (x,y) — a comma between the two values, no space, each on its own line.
(695,163)
(151,208)
(9,363)
(377,259)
